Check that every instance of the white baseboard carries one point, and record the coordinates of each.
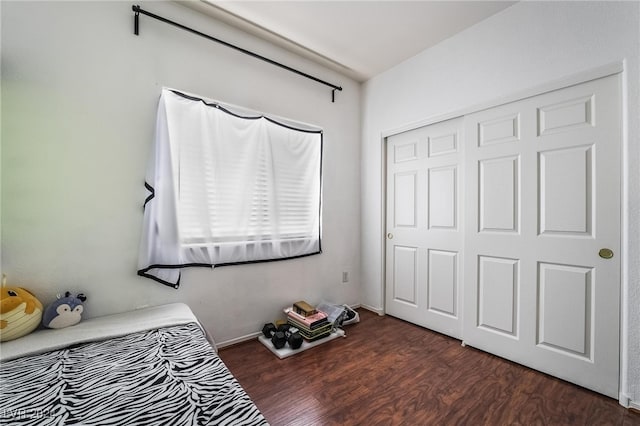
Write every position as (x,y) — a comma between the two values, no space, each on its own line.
(237,340)
(378,311)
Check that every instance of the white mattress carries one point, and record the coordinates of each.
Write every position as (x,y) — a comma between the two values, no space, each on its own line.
(95,329)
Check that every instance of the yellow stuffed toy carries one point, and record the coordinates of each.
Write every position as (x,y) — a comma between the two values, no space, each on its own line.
(20,312)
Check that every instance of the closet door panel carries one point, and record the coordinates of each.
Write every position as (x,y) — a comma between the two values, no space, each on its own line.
(542,238)
(423,229)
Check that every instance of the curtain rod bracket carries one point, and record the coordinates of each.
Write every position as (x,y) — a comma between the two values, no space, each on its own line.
(136,30)
(136,19)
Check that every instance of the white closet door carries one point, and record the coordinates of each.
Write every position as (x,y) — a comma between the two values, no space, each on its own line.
(542,219)
(424,236)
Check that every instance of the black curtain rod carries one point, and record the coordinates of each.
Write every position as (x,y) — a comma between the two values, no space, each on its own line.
(136,29)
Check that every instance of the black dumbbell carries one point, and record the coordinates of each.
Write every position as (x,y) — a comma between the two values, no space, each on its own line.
(268,330)
(284,327)
(294,339)
(281,335)
(278,338)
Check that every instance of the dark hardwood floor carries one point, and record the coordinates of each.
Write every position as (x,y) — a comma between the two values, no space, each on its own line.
(389,372)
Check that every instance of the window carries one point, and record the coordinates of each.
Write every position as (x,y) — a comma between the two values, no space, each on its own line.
(228,187)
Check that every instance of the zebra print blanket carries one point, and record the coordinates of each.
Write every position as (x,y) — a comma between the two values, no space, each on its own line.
(167,376)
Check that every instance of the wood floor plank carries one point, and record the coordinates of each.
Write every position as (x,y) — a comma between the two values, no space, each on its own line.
(390,372)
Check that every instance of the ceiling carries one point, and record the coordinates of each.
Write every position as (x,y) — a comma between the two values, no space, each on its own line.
(358,38)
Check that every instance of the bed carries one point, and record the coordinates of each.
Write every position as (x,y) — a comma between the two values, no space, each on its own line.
(152,366)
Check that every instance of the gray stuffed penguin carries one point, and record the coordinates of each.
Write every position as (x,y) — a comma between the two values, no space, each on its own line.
(64,312)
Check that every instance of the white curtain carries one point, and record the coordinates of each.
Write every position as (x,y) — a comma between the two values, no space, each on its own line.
(226,187)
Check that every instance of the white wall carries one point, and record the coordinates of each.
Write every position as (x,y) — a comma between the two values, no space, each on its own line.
(79,97)
(526,45)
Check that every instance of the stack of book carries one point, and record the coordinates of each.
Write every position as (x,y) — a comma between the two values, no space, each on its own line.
(311,323)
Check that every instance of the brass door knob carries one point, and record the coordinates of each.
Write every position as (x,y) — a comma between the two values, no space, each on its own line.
(390,236)
(605,253)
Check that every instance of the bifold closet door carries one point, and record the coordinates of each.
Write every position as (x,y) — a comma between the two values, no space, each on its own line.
(423,228)
(542,232)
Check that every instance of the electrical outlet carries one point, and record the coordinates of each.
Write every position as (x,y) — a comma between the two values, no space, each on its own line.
(345,277)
